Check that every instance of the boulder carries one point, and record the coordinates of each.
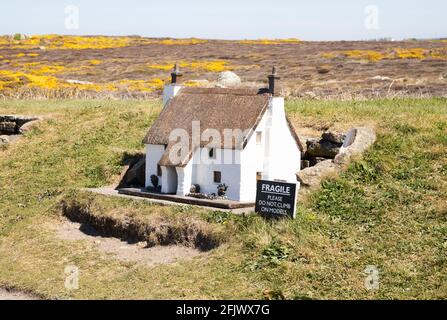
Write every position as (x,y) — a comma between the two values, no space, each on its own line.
(311,177)
(334,137)
(322,148)
(358,140)
(228,79)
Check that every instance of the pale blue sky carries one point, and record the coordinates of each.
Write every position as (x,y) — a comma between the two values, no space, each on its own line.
(230,19)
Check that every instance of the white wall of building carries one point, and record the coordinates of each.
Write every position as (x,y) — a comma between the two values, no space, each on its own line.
(169,92)
(278,157)
(203,171)
(153,156)
(169,180)
(184,176)
(285,156)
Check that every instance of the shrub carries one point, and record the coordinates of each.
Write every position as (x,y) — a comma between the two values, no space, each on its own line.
(154,180)
(222,189)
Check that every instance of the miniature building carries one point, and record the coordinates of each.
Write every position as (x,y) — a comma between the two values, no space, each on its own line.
(257,141)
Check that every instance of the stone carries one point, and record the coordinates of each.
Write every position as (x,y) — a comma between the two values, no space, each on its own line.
(309,95)
(324,69)
(136,175)
(313,161)
(358,141)
(8,127)
(228,79)
(381,78)
(322,148)
(74,81)
(311,177)
(334,137)
(4,140)
(305,164)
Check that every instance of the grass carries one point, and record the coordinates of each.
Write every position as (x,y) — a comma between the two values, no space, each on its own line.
(388,210)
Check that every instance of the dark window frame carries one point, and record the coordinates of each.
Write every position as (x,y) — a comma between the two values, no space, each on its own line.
(217,176)
(212,153)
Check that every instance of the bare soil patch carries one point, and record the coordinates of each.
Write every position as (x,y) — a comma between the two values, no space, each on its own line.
(124,250)
(156,230)
(15,295)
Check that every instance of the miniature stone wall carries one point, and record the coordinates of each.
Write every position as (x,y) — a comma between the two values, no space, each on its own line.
(356,141)
(12,126)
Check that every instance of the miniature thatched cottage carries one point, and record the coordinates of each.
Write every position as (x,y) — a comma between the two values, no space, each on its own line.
(206,137)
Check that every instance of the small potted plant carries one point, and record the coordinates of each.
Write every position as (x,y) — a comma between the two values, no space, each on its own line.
(155,182)
(195,188)
(222,190)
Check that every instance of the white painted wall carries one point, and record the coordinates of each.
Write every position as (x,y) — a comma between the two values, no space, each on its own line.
(285,156)
(280,158)
(169,92)
(203,171)
(184,176)
(169,180)
(153,156)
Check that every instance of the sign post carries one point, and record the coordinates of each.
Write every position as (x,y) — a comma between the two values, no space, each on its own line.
(276,199)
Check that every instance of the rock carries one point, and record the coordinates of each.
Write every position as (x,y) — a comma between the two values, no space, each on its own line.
(309,95)
(305,164)
(4,140)
(358,140)
(323,149)
(313,161)
(136,175)
(334,137)
(228,79)
(19,36)
(8,127)
(380,78)
(74,81)
(28,126)
(311,177)
(324,69)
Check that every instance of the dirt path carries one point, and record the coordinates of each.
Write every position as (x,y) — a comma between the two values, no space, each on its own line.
(13,295)
(125,251)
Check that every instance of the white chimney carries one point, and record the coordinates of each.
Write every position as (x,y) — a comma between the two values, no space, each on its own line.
(171,90)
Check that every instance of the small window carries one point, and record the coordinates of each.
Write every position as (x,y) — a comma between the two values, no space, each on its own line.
(217,177)
(212,153)
(258,176)
(159,172)
(258,137)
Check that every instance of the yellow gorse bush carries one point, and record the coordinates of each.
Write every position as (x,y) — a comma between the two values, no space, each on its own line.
(142,85)
(58,42)
(397,53)
(211,66)
(364,55)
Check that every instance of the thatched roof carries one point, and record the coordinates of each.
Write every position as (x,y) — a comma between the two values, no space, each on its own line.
(215,108)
